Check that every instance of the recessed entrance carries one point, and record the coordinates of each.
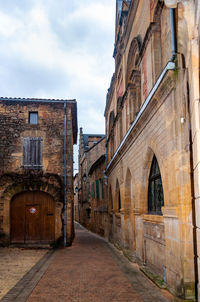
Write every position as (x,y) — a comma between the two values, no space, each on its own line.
(32,218)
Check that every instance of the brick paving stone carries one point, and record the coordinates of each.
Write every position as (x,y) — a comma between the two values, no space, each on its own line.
(91,271)
(14,264)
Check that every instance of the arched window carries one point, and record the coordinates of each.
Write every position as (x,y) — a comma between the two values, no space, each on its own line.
(155,191)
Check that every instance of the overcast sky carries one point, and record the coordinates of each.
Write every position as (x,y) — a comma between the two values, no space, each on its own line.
(59,49)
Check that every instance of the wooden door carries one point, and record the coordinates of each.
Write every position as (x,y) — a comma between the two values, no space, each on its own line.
(32,218)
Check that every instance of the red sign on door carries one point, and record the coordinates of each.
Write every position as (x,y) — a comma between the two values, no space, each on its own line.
(32,210)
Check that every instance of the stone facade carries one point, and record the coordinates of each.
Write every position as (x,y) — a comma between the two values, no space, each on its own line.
(148,121)
(98,195)
(76,196)
(27,165)
(91,147)
(189,30)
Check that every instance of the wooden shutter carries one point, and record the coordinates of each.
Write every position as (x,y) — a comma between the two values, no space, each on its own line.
(32,152)
(97,189)
(101,188)
(92,190)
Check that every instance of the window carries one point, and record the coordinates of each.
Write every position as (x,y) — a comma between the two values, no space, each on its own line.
(33,118)
(155,191)
(97,189)
(32,152)
(101,188)
(92,190)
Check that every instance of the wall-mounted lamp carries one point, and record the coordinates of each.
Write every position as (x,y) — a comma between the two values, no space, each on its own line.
(76,189)
(84,177)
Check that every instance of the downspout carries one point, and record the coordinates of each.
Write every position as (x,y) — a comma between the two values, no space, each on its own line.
(65,179)
(173,33)
(106,150)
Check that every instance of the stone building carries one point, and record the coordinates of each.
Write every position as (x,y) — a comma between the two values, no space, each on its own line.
(148,116)
(98,193)
(189,27)
(76,197)
(91,147)
(36,170)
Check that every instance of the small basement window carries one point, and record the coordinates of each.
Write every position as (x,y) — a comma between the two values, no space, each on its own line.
(33,118)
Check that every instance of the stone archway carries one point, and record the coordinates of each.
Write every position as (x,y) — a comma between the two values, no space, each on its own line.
(15,184)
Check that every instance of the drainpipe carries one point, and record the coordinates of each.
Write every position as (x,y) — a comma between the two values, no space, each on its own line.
(65,179)
(106,150)
(106,142)
(173,33)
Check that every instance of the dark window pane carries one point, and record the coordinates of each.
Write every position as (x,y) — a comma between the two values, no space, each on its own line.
(33,118)
(155,191)
(119,201)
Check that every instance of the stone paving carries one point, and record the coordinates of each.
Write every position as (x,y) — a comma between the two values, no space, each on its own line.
(91,271)
(14,264)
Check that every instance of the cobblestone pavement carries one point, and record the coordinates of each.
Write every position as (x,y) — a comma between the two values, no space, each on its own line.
(14,264)
(90,271)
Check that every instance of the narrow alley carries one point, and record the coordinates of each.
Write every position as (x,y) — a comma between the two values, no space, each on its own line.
(90,270)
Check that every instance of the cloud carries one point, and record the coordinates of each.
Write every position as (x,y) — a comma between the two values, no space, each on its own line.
(56,50)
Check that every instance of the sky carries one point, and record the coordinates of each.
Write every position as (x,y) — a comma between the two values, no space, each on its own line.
(59,50)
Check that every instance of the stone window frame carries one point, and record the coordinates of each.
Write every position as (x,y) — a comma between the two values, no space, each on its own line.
(155,202)
(33,113)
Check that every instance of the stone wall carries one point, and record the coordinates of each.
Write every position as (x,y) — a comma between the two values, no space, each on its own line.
(15,178)
(99,206)
(162,241)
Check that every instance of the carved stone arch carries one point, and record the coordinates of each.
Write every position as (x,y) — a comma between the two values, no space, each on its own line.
(46,187)
(155,189)
(133,79)
(16,184)
(111,121)
(158,11)
(156,36)
(133,56)
(152,150)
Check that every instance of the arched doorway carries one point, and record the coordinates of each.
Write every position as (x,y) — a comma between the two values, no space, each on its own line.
(32,218)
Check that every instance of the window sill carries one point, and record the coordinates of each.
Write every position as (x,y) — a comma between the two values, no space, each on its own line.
(32,167)
(153,218)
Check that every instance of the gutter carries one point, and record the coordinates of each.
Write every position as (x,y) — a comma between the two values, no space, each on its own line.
(170,66)
(29,100)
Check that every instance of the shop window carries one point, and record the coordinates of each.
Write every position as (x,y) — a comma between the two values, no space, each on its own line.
(155,191)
